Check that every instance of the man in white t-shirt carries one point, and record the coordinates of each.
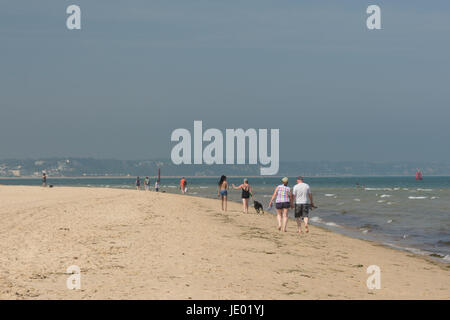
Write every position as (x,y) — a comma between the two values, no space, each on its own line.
(303,202)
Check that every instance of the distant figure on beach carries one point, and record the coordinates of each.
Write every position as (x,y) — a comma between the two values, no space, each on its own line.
(246,193)
(222,191)
(283,202)
(183,185)
(44,179)
(156,186)
(303,203)
(138,183)
(147,183)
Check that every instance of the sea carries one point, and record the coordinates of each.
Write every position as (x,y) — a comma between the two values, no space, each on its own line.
(398,212)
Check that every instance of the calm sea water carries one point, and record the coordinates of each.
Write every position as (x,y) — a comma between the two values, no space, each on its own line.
(397,211)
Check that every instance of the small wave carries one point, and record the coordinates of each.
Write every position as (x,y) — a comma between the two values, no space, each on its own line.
(332,224)
(417,251)
(432,198)
(378,189)
(420,189)
(381,201)
(340,203)
(446,258)
(357,200)
(416,198)
(389,221)
(385,196)
(315,219)
(413,250)
(368,226)
(329,195)
(202,187)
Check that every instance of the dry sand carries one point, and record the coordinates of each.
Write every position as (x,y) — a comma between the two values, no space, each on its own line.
(146,245)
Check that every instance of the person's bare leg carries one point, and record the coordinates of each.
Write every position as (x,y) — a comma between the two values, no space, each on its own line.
(246,205)
(225,200)
(285,219)
(243,205)
(279,219)
(299,224)
(306,224)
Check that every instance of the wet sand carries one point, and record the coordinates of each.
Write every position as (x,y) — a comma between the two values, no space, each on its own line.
(147,245)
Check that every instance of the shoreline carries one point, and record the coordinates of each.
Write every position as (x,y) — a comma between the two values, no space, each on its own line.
(131,245)
(342,229)
(216,177)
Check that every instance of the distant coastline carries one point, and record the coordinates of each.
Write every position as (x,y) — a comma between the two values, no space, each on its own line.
(213,176)
(89,167)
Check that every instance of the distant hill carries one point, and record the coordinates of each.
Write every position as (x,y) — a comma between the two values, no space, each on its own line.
(75,167)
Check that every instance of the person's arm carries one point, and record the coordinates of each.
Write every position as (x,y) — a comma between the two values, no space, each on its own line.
(311,199)
(273,196)
(291,198)
(237,188)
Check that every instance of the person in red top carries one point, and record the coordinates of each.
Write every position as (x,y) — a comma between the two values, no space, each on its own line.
(183,185)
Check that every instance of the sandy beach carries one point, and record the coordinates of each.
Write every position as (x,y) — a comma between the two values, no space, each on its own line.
(147,245)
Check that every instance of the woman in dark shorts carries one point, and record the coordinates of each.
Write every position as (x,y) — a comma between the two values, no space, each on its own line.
(138,183)
(283,202)
(246,193)
(44,179)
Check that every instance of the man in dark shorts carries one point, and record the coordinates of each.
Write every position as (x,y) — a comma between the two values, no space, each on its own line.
(302,211)
(303,202)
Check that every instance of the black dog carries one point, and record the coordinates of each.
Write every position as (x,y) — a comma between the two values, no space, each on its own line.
(258,207)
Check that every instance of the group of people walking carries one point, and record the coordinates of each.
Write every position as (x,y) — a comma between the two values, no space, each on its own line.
(146,184)
(222,192)
(300,199)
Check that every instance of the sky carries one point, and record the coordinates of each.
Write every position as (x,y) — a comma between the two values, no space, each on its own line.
(137,70)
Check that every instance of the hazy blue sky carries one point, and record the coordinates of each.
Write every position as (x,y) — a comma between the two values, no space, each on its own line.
(140,69)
